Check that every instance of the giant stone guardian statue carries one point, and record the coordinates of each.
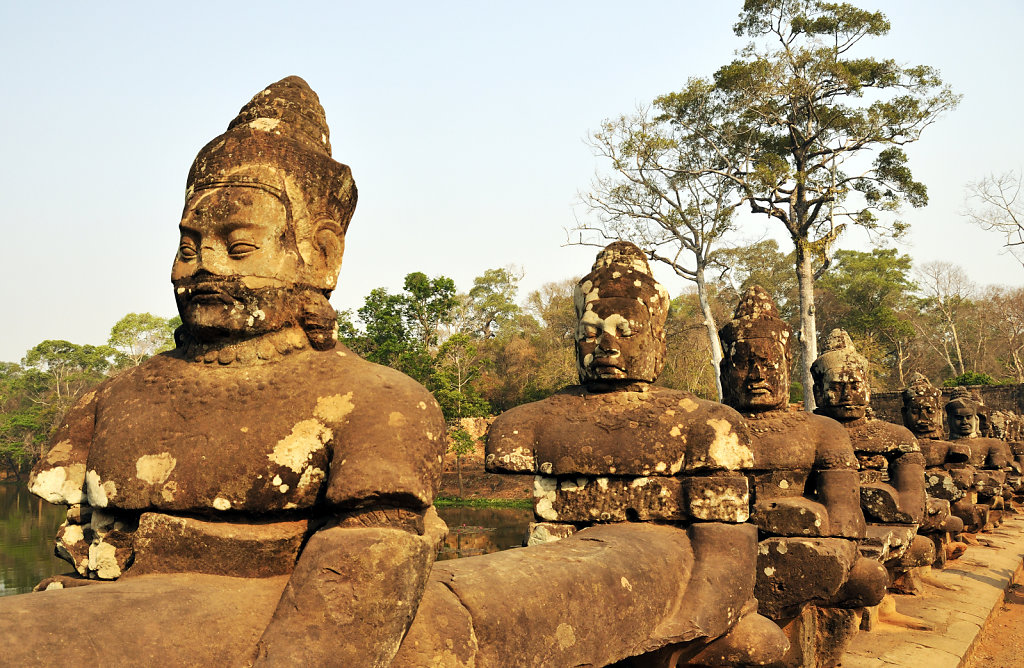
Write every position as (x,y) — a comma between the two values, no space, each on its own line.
(260,493)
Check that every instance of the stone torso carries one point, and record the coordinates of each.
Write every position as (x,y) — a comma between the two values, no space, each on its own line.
(877,443)
(181,437)
(657,432)
(796,440)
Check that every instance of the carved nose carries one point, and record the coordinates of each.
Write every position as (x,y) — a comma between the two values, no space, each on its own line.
(608,343)
(211,261)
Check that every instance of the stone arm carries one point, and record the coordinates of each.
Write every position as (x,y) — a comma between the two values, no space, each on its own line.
(59,478)
(354,591)
(837,483)
(906,473)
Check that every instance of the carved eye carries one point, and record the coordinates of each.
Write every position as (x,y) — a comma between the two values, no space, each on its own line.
(240,249)
(624,330)
(186,251)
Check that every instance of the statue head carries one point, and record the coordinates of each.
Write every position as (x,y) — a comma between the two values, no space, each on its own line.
(922,408)
(755,355)
(840,377)
(962,414)
(263,228)
(621,312)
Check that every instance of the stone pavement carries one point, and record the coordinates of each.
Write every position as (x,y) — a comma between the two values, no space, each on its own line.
(982,576)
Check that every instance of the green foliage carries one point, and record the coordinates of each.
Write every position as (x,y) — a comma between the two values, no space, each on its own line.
(138,336)
(970,378)
(460,443)
(491,302)
(459,502)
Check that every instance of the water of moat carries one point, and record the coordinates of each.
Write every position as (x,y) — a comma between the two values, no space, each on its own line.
(28,525)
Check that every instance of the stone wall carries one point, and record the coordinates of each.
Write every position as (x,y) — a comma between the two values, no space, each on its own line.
(888,405)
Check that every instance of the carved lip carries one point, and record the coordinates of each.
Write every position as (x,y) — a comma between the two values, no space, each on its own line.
(759,388)
(208,293)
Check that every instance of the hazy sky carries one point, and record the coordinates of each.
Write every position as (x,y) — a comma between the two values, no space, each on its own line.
(463,123)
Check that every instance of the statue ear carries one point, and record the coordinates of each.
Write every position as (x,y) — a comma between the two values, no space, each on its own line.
(819,395)
(329,245)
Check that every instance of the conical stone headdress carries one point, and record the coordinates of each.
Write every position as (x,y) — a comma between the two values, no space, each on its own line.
(621,271)
(839,353)
(279,142)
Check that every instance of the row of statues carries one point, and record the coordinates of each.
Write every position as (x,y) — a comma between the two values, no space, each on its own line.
(261,495)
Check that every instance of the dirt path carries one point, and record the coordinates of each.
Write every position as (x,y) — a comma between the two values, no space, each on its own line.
(1001,642)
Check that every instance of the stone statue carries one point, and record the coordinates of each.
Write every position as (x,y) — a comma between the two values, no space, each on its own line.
(805,486)
(892,467)
(646,484)
(990,457)
(261,492)
(949,481)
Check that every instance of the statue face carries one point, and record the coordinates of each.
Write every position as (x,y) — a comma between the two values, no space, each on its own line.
(844,393)
(963,422)
(615,341)
(235,255)
(923,417)
(755,376)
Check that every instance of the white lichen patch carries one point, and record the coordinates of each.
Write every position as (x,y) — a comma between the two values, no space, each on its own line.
(625,583)
(660,467)
(516,459)
(564,636)
(168,491)
(769,571)
(296,449)
(61,485)
(546,467)
(639,482)
(312,476)
(334,408)
(602,484)
(265,124)
(422,406)
(396,419)
(677,465)
(781,547)
(73,533)
(577,485)
(784,484)
(674,431)
(283,489)
(220,503)
(544,490)
(103,561)
(97,492)
(276,481)
(724,505)
(688,404)
(726,450)
(155,469)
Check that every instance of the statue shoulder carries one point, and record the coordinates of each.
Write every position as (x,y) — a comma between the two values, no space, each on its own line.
(512,438)
(388,433)
(834,449)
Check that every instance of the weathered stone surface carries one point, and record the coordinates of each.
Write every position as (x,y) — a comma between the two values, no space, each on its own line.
(779,483)
(881,504)
(174,544)
(368,581)
(541,590)
(885,542)
(539,533)
(658,432)
(792,516)
(606,499)
(213,620)
(724,498)
(794,571)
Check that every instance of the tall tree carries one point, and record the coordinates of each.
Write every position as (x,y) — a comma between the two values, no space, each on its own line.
(138,336)
(797,118)
(948,298)
(490,304)
(995,203)
(676,221)
(869,295)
